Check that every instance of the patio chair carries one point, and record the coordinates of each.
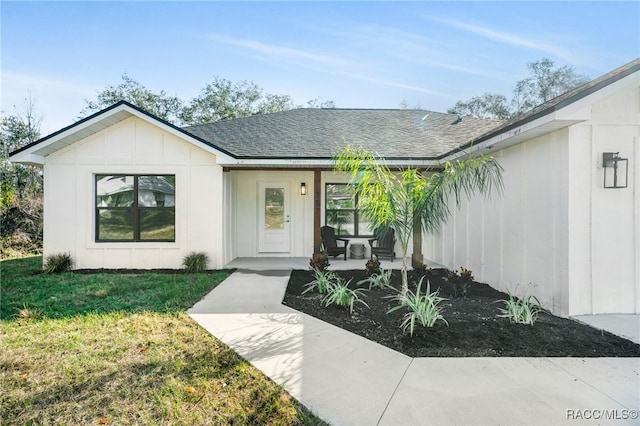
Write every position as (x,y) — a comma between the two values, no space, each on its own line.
(383,243)
(330,244)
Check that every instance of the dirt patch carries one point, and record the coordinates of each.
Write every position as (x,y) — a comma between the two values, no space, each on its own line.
(473,330)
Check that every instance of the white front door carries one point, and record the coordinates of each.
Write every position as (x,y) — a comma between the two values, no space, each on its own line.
(274,217)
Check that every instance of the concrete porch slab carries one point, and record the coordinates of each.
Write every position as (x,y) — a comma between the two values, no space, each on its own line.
(275,263)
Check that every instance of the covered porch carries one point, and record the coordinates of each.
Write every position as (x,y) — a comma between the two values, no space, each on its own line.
(284,263)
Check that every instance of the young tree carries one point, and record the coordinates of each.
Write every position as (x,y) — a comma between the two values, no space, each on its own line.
(413,199)
(159,104)
(20,185)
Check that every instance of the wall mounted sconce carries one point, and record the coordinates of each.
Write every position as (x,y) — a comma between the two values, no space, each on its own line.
(303,188)
(615,170)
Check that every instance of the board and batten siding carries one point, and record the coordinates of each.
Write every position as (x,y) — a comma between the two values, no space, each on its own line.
(557,233)
(243,215)
(132,146)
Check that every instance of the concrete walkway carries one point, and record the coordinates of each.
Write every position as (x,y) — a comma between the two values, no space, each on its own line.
(348,380)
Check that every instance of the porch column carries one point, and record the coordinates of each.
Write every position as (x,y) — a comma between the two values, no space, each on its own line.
(316,209)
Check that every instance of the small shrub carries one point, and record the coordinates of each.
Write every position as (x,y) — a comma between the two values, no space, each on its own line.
(58,263)
(340,294)
(319,261)
(379,281)
(460,281)
(423,308)
(372,267)
(323,281)
(28,314)
(521,311)
(195,262)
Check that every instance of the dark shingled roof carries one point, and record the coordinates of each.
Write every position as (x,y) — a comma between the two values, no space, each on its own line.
(317,133)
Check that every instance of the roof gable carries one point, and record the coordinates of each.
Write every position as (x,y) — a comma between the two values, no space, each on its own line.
(35,152)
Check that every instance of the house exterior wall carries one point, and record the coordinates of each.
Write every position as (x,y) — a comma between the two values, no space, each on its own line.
(604,228)
(243,216)
(557,233)
(132,146)
(516,240)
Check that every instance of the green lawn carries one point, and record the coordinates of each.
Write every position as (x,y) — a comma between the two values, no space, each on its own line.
(119,348)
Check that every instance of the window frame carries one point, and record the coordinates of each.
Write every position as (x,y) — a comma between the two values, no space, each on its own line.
(135,209)
(355,210)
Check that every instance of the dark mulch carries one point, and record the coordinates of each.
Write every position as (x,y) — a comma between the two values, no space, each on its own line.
(474,329)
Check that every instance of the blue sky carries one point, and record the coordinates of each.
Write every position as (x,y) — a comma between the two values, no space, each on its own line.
(358,54)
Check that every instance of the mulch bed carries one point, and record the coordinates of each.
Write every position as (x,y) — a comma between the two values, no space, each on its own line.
(473,329)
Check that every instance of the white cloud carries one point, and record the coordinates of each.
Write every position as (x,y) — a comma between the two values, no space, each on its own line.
(279,52)
(509,38)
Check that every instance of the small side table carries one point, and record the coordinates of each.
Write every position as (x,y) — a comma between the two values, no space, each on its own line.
(357,250)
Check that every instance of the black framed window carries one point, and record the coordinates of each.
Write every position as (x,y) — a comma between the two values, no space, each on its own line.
(135,208)
(341,211)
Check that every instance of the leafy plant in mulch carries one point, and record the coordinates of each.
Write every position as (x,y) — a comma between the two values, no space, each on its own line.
(58,263)
(319,261)
(322,282)
(521,310)
(372,267)
(422,308)
(340,294)
(380,281)
(460,281)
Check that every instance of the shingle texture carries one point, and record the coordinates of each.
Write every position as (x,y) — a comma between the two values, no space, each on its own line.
(317,133)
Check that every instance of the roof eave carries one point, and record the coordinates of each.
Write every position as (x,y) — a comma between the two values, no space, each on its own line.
(313,163)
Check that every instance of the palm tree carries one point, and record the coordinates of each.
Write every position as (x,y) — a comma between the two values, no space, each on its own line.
(413,198)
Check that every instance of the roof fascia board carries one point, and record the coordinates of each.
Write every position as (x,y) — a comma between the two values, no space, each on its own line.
(323,163)
(28,159)
(513,136)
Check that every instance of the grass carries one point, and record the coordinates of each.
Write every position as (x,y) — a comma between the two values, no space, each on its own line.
(119,348)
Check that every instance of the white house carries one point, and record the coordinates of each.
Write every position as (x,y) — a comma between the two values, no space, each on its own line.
(124,189)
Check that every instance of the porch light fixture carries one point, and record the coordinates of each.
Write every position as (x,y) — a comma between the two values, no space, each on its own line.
(615,170)
(303,188)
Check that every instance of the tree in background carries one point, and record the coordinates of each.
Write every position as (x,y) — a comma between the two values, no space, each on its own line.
(20,185)
(544,83)
(411,199)
(488,106)
(320,103)
(222,100)
(159,104)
